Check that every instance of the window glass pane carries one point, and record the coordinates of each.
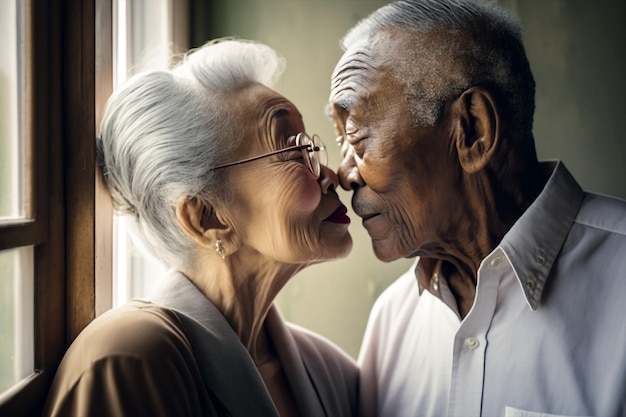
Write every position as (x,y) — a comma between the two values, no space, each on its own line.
(16,316)
(11,144)
(142,40)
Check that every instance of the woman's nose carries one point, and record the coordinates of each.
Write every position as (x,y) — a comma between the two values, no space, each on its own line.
(328,179)
(349,175)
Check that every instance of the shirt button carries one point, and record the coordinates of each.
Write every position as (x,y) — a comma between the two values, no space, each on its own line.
(435,282)
(471,343)
(495,261)
(540,259)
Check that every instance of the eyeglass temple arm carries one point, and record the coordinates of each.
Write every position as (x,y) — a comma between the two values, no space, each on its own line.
(254,158)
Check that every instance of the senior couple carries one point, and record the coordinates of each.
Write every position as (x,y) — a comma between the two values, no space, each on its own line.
(515,303)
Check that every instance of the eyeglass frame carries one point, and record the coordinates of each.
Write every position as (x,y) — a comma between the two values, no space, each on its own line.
(311,147)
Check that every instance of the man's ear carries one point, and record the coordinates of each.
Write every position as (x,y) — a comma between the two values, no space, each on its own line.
(476,128)
(197,218)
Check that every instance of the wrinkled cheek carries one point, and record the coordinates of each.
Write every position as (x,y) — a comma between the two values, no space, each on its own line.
(307,247)
(405,229)
(307,196)
(301,194)
(380,176)
(295,242)
(298,204)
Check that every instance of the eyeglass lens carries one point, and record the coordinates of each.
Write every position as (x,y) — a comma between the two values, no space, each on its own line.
(314,154)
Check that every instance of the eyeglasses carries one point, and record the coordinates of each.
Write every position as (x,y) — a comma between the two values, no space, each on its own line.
(313,152)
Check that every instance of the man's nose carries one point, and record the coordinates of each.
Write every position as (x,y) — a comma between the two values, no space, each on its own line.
(328,179)
(349,175)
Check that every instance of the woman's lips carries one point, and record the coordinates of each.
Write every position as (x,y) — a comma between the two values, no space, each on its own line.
(339,216)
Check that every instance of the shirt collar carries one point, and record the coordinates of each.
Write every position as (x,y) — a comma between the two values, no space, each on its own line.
(535,240)
(533,243)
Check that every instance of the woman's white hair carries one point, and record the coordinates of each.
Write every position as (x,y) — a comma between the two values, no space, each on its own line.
(163,131)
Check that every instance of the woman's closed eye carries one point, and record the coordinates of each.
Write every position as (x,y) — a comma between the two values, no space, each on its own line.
(298,158)
(293,156)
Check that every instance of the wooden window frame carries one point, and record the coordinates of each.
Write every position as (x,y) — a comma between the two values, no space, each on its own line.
(46,230)
(69,77)
(69,204)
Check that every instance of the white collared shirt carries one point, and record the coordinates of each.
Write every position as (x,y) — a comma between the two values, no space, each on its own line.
(546,334)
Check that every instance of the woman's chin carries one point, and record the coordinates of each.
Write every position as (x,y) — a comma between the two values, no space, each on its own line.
(338,248)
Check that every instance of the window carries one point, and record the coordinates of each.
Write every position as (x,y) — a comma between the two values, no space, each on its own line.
(16,263)
(146,33)
(54,82)
(16,316)
(31,217)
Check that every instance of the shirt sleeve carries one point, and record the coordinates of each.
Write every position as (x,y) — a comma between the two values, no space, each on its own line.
(367,362)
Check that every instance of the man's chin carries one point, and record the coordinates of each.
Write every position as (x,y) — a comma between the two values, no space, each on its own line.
(385,252)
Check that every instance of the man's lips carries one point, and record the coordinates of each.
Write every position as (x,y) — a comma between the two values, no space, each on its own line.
(364,211)
(339,216)
(366,217)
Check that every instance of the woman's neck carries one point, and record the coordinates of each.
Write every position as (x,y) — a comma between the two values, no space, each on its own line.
(243,288)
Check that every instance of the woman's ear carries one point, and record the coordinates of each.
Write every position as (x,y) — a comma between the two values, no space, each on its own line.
(197,218)
(476,128)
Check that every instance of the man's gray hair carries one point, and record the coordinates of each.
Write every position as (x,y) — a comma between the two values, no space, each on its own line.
(163,131)
(481,45)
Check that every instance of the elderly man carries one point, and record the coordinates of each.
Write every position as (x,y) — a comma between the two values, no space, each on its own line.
(516,305)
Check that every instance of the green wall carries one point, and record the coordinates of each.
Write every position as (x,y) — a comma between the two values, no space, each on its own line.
(575,50)
(578,56)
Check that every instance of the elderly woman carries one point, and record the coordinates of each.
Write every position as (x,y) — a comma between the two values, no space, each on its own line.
(229,191)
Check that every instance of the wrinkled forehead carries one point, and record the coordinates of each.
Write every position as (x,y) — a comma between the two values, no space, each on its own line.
(396,57)
(365,71)
(357,61)
(265,114)
(356,71)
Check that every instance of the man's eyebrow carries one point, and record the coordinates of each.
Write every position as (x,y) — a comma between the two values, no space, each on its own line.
(342,105)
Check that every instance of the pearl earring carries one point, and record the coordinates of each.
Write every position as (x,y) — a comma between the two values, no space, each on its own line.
(219,247)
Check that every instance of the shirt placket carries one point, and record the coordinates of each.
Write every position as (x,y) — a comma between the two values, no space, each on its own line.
(470,343)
